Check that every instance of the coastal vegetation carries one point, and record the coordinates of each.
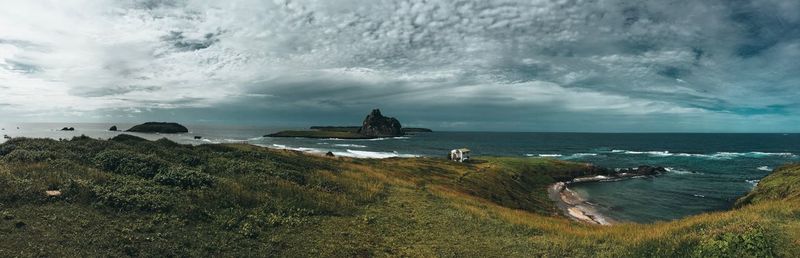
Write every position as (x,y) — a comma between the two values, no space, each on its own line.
(131,197)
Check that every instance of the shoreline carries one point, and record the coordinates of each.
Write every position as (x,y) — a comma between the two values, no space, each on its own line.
(575,207)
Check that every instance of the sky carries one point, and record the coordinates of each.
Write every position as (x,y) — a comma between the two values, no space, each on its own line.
(528,65)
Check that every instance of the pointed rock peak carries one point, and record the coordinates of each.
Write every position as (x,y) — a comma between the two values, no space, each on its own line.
(377,125)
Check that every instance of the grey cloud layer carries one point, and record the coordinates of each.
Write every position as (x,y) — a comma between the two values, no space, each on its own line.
(508,65)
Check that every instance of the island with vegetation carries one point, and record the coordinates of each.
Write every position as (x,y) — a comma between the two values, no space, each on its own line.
(159,127)
(375,125)
(132,197)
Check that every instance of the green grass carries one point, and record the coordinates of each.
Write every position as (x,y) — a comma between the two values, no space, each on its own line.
(783,184)
(132,197)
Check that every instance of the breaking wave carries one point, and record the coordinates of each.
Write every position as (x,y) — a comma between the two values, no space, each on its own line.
(372,154)
(680,171)
(716,155)
(571,156)
(350,145)
(347,153)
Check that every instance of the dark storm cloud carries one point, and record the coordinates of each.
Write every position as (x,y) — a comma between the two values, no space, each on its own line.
(182,43)
(610,65)
(115,91)
(22,67)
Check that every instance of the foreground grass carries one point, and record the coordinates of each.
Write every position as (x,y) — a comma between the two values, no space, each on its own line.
(131,197)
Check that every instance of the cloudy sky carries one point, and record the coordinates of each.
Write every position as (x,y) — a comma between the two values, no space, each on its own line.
(528,65)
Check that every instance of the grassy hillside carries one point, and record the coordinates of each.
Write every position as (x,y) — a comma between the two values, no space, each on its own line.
(132,197)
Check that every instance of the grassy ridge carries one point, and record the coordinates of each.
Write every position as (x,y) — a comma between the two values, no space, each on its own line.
(132,197)
(782,184)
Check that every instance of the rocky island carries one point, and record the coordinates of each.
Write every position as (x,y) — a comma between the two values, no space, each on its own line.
(375,125)
(159,127)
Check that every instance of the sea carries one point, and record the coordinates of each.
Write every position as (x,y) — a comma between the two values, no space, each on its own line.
(706,172)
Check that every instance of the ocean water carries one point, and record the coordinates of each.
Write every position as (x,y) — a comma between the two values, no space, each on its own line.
(707,172)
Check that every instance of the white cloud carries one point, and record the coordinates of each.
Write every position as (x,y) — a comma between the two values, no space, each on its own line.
(676,58)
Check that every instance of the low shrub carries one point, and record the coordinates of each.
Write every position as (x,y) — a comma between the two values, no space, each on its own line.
(30,156)
(13,189)
(270,216)
(129,163)
(7,148)
(127,193)
(183,177)
(750,241)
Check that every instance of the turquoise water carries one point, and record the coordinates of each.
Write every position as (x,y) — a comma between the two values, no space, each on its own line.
(707,171)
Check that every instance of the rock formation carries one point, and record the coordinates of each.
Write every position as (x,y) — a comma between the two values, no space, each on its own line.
(159,127)
(113,128)
(377,125)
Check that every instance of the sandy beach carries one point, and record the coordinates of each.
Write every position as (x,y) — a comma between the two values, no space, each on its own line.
(576,207)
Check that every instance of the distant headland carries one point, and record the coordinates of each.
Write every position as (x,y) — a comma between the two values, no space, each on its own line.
(375,125)
(159,127)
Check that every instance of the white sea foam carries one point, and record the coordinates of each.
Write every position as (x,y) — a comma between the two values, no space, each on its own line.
(764,168)
(284,147)
(580,155)
(549,155)
(554,155)
(699,195)
(594,178)
(371,154)
(753,182)
(347,153)
(210,141)
(715,156)
(679,171)
(389,138)
(350,145)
